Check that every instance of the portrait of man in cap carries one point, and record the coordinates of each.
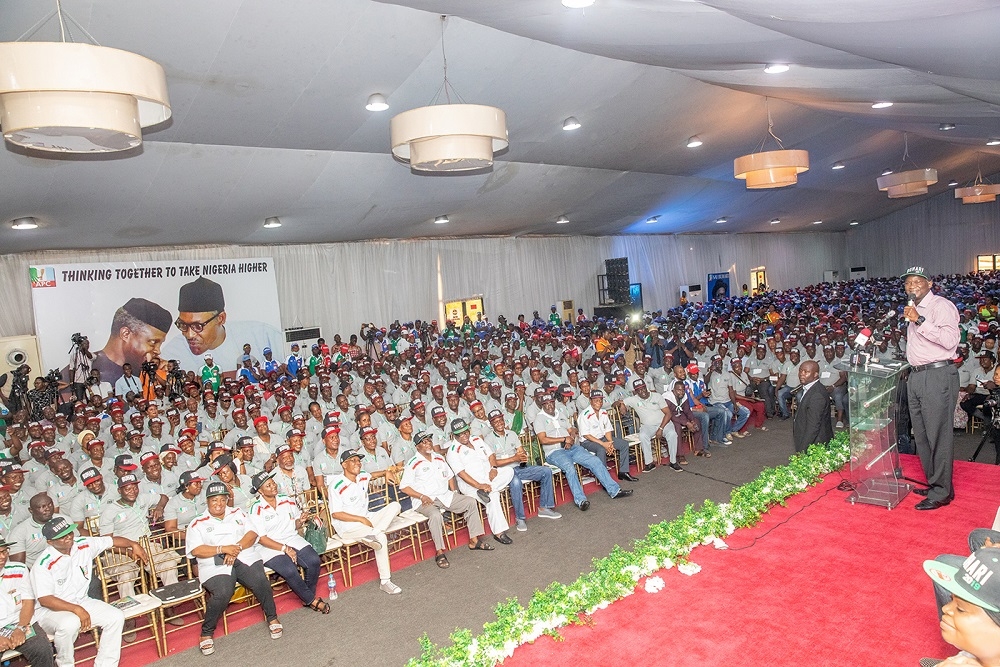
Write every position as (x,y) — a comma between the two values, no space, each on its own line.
(137,328)
(206,328)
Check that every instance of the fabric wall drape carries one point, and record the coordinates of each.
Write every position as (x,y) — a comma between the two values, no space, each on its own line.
(339,285)
(941,234)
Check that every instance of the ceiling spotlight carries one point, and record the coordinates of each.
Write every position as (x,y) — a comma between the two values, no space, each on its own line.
(881,105)
(571,123)
(650,220)
(377,102)
(577,4)
(993,142)
(854,223)
(775,221)
(776,68)
(562,220)
(720,221)
(944,127)
(952,183)
(694,142)
(818,222)
(24,223)
(837,165)
(272,223)
(886,172)
(441,220)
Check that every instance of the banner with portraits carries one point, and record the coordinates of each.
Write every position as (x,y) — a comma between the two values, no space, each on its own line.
(178,309)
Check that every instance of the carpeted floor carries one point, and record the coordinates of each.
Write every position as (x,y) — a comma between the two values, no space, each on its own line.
(367,624)
(836,584)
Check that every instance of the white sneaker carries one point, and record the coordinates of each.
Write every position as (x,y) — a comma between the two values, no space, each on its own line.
(587,479)
(371,542)
(391,588)
(521,526)
(840,424)
(548,513)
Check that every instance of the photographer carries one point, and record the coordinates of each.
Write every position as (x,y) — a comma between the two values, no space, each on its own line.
(95,387)
(175,379)
(153,373)
(79,365)
(43,395)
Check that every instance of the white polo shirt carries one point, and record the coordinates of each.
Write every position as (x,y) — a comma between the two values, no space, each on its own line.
(67,576)
(473,458)
(593,423)
(428,477)
(207,530)
(350,497)
(15,587)
(276,522)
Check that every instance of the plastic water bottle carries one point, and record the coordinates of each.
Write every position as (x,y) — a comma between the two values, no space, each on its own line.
(331,584)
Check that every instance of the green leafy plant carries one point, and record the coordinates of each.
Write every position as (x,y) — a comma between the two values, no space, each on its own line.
(615,576)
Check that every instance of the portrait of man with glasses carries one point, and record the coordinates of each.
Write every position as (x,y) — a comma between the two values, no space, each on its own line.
(204,327)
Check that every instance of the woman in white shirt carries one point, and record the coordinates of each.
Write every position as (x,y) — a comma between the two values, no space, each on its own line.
(226,554)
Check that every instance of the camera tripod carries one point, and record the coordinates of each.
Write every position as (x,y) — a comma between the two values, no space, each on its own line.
(988,434)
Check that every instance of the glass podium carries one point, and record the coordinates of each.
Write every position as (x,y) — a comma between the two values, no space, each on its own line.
(872,405)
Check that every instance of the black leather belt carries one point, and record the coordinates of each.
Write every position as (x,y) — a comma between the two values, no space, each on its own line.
(936,364)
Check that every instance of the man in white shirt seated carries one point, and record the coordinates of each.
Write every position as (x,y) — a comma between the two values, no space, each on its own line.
(597,435)
(17,607)
(348,502)
(27,543)
(478,476)
(429,480)
(61,581)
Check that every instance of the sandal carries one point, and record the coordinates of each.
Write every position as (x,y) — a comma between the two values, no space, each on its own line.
(481,545)
(442,561)
(702,452)
(275,628)
(320,605)
(207,646)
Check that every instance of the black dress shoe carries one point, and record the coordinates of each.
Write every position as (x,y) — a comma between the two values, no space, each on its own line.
(921,492)
(622,493)
(503,539)
(584,506)
(928,504)
(627,477)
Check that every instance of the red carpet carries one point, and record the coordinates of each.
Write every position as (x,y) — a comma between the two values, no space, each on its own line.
(837,584)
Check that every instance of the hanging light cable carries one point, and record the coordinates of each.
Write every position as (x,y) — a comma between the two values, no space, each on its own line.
(771,169)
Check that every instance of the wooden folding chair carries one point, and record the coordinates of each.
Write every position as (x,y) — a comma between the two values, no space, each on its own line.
(183,603)
(139,605)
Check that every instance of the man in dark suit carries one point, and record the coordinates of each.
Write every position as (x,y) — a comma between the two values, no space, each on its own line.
(812,418)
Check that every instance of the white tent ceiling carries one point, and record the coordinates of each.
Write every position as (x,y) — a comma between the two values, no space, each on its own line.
(268,116)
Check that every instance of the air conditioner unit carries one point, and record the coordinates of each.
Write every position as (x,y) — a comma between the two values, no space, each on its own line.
(17,350)
(304,336)
(568,312)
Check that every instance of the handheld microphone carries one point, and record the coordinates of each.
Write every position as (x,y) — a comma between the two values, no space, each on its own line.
(863,336)
(911,299)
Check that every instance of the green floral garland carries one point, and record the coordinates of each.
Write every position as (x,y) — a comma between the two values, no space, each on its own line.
(615,576)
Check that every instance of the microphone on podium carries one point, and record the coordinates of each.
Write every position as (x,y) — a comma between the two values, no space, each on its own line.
(863,337)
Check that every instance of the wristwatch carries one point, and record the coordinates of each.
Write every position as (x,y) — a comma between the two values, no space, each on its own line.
(24,628)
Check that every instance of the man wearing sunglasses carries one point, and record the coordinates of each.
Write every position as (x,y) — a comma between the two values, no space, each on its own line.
(205,327)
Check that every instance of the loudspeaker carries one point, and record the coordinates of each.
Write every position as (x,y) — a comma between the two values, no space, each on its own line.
(618,279)
(616,267)
(17,350)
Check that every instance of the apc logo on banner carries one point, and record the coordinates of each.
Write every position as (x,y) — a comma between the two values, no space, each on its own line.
(42,276)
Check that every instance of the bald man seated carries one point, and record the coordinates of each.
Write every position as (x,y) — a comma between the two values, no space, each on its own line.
(812,423)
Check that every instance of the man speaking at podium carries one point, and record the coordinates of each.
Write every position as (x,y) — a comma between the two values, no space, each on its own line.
(931,341)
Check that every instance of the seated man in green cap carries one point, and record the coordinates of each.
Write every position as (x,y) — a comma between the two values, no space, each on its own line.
(61,579)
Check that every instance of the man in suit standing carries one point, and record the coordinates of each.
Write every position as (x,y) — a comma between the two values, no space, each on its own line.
(812,419)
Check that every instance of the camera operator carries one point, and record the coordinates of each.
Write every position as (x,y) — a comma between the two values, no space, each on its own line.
(16,400)
(175,379)
(79,365)
(95,387)
(44,394)
(153,373)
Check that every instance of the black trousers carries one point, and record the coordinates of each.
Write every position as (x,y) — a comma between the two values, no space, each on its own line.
(37,650)
(308,560)
(932,396)
(222,586)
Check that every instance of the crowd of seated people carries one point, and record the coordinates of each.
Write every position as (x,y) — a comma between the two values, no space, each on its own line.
(444,418)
